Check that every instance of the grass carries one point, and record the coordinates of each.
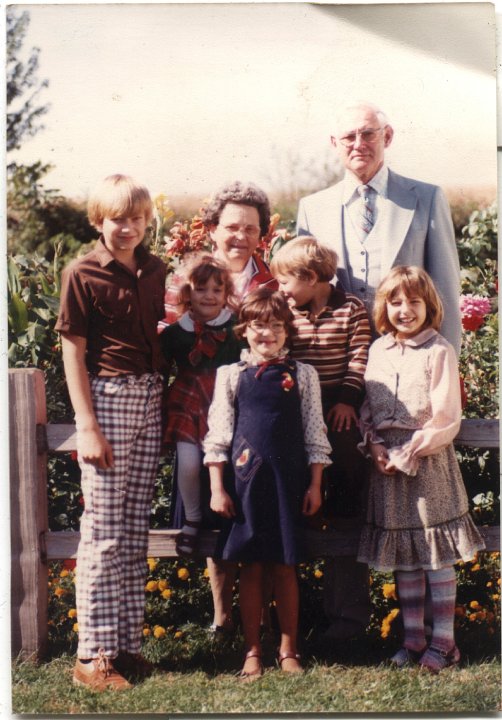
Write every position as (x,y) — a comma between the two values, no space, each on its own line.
(353,680)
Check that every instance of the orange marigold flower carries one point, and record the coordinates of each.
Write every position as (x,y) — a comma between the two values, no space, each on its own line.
(206,572)
(389,591)
(178,634)
(166,594)
(59,592)
(473,617)
(474,604)
(63,573)
(318,573)
(75,627)
(162,584)
(151,586)
(159,632)
(475,567)
(183,574)
(146,632)
(72,613)
(152,563)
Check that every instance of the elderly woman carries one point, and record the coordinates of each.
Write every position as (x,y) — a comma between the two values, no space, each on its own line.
(236,218)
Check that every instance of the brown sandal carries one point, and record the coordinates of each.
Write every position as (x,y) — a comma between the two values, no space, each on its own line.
(281,656)
(245,676)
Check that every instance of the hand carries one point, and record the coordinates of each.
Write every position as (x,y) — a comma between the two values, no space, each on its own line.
(312,500)
(381,459)
(95,449)
(341,416)
(221,503)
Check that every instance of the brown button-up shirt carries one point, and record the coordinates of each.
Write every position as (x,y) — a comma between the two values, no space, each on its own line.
(115,309)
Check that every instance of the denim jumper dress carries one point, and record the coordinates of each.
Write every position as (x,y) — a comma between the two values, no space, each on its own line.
(271,472)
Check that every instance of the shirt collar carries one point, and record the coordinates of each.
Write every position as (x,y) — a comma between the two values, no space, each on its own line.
(105,257)
(389,340)
(378,182)
(186,322)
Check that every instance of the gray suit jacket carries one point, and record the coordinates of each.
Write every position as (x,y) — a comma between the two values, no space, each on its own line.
(416,230)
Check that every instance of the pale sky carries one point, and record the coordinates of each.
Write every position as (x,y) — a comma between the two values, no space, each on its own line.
(188,96)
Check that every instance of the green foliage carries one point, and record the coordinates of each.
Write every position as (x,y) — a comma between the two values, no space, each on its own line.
(477,250)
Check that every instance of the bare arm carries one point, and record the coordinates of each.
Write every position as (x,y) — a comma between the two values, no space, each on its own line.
(93,447)
(221,502)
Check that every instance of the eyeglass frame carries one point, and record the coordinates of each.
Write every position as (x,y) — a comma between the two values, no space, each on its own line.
(268,326)
(347,143)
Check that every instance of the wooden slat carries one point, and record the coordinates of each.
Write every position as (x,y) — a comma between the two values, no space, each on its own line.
(473,433)
(162,543)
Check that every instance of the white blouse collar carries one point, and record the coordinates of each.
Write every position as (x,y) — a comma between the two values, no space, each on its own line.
(186,322)
(390,340)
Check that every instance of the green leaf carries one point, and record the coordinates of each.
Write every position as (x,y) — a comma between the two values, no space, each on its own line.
(18,314)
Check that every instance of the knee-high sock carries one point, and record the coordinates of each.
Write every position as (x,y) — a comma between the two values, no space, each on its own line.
(443,585)
(189,466)
(411,592)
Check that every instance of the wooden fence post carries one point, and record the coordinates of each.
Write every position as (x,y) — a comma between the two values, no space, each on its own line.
(28,506)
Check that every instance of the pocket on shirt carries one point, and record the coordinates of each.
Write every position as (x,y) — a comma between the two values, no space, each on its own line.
(245,460)
(116,306)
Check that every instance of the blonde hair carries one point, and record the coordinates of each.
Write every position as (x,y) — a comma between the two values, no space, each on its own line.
(413,281)
(118,196)
(303,256)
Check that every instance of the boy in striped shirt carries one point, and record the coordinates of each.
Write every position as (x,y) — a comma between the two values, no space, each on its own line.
(333,334)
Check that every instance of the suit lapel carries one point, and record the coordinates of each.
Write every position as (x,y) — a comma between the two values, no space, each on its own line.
(394,227)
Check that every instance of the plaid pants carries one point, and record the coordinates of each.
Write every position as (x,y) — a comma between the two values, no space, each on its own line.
(111,558)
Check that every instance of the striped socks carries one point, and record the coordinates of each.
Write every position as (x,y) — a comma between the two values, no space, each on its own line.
(411,592)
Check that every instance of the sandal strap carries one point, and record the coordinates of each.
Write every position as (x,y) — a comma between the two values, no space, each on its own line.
(252,654)
(288,656)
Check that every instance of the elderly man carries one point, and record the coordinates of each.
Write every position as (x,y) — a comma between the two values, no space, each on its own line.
(375,219)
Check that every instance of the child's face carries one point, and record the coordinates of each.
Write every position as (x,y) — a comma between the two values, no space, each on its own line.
(122,235)
(265,339)
(207,301)
(298,292)
(406,314)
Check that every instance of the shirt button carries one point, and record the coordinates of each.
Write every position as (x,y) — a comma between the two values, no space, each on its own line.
(362,289)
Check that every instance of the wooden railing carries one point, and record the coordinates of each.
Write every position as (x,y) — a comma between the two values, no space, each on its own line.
(33,545)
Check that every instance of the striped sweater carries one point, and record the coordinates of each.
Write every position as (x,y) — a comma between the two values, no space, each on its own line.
(336,343)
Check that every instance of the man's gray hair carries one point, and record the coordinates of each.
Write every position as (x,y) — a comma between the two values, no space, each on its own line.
(358,105)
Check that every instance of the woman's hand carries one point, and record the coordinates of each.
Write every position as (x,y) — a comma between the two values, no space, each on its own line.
(380,457)
(221,503)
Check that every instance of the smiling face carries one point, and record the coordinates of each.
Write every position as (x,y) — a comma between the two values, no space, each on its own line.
(298,292)
(122,235)
(207,300)
(265,338)
(406,314)
(237,235)
(361,156)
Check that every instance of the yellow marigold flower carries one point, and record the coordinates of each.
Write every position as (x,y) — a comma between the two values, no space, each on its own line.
(159,632)
(152,563)
(178,634)
(75,627)
(63,573)
(59,592)
(475,567)
(318,573)
(495,596)
(151,586)
(146,632)
(72,613)
(389,591)
(206,572)
(474,604)
(473,617)
(183,574)
(162,584)
(393,613)
(166,594)
(489,583)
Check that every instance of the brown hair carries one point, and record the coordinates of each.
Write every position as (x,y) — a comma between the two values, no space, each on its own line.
(199,269)
(303,256)
(116,196)
(413,281)
(264,304)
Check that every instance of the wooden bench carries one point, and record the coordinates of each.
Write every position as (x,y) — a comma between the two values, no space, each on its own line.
(33,545)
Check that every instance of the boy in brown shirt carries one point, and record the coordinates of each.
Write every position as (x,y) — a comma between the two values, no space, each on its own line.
(111,301)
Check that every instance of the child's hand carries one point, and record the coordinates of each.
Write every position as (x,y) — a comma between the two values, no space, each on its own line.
(95,449)
(312,500)
(341,416)
(381,459)
(221,503)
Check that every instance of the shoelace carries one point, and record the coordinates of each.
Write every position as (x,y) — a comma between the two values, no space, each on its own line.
(103,664)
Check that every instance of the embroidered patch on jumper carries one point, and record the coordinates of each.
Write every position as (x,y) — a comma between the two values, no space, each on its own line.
(287,382)
(243,458)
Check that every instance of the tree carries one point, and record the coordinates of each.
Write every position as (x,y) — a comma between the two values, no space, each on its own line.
(23,86)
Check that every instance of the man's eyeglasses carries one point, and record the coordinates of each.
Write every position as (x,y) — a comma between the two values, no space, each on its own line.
(275,326)
(367,136)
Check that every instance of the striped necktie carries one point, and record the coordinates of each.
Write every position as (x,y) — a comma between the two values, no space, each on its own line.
(366,218)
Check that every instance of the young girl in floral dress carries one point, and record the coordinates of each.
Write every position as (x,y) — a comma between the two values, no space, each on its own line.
(266,418)
(418,522)
(199,342)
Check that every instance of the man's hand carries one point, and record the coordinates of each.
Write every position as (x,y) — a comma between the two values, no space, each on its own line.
(94,448)
(341,416)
